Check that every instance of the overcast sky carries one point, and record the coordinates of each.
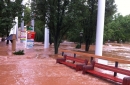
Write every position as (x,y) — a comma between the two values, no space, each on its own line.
(123,6)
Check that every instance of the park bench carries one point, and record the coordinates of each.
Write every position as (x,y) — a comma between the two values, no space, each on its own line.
(90,69)
(73,62)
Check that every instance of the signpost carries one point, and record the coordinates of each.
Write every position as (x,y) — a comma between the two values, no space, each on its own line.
(30,39)
(23,37)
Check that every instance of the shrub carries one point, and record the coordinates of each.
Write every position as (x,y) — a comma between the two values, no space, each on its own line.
(20,52)
(78,46)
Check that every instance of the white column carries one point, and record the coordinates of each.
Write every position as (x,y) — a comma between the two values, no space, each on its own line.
(46,37)
(22,22)
(32,23)
(100,30)
(16,27)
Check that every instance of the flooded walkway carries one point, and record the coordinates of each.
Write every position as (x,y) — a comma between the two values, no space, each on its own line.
(37,68)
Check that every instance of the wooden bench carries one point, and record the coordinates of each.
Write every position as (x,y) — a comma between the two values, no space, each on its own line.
(124,81)
(90,69)
(77,66)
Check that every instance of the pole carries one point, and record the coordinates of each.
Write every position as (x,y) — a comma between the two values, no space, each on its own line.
(46,38)
(22,21)
(32,24)
(16,27)
(100,29)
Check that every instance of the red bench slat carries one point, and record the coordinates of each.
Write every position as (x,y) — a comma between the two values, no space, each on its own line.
(78,67)
(114,69)
(90,69)
(69,64)
(75,59)
(105,75)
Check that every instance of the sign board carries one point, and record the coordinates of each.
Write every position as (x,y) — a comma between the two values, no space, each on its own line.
(30,43)
(23,37)
(27,37)
(30,35)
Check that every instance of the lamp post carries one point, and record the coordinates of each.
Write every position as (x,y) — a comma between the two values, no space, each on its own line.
(81,34)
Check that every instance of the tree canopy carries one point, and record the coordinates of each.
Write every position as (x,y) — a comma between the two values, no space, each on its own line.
(118,29)
(8,11)
(69,17)
(89,20)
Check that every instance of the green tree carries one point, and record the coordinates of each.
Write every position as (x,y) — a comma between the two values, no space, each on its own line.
(27,16)
(79,11)
(9,10)
(39,30)
(88,20)
(118,29)
(64,15)
(59,15)
(89,23)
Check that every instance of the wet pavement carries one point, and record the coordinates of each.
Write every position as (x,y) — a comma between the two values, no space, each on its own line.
(36,67)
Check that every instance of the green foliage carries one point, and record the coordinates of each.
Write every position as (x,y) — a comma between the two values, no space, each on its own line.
(78,46)
(20,52)
(73,35)
(69,17)
(87,20)
(118,29)
(8,11)
(39,35)
(39,29)
(79,12)
(27,16)
(60,16)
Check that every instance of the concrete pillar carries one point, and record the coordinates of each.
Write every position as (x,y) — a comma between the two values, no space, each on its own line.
(32,23)
(46,37)
(16,27)
(22,21)
(100,30)
(14,42)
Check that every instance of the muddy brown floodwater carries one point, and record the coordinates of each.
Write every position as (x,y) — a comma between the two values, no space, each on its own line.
(38,67)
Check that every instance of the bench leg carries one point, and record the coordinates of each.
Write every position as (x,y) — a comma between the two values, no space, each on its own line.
(126,81)
(83,72)
(79,67)
(86,61)
(87,67)
(60,60)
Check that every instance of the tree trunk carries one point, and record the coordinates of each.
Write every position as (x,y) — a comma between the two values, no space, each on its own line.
(7,36)
(56,46)
(56,49)
(50,40)
(87,45)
